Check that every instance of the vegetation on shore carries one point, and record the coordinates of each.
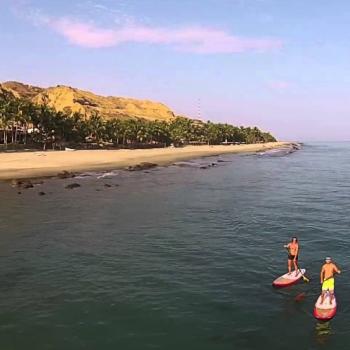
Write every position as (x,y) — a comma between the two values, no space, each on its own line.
(24,123)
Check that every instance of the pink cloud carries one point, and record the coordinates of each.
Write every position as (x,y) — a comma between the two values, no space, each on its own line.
(84,34)
(191,39)
(279,85)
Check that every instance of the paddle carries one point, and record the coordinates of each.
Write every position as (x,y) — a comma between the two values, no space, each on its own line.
(305,279)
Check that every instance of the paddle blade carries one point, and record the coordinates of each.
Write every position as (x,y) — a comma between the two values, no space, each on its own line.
(305,279)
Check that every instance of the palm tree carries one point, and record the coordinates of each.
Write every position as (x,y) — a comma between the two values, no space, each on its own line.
(16,115)
(96,126)
(114,130)
(5,121)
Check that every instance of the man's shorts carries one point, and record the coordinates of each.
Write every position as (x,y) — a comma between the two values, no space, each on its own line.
(328,285)
(291,257)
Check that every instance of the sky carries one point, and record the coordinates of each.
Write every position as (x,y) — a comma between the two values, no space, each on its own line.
(281,65)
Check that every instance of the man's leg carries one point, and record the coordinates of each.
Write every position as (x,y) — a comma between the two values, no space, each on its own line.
(323,296)
(331,290)
(289,266)
(295,267)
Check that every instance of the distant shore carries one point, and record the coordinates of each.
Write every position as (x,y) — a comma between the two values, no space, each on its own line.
(20,165)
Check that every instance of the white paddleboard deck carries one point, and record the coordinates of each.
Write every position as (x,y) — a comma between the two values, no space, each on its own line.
(326,305)
(289,278)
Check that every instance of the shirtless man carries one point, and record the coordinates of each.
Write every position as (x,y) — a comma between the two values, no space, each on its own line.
(293,251)
(327,278)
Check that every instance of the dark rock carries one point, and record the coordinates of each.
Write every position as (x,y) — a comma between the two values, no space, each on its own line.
(107,185)
(203,167)
(72,186)
(65,175)
(41,193)
(116,185)
(19,192)
(16,183)
(141,166)
(27,184)
(146,165)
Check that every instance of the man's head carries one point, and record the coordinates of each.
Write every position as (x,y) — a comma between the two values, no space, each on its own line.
(294,239)
(328,260)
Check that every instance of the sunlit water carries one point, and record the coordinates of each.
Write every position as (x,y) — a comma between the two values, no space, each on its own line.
(178,257)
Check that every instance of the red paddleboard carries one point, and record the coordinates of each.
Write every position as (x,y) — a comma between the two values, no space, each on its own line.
(325,311)
(288,279)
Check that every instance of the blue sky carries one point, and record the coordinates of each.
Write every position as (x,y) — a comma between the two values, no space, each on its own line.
(281,65)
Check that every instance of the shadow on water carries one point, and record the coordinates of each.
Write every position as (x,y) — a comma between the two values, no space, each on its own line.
(323,332)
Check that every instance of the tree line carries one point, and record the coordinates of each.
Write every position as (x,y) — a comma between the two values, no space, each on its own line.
(25,123)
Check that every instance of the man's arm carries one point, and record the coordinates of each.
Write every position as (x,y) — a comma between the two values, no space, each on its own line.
(321,274)
(336,269)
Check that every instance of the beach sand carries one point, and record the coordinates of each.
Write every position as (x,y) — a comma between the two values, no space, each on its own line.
(41,164)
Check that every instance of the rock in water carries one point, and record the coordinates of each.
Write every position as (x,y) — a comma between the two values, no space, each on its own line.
(22,184)
(146,165)
(27,184)
(141,166)
(65,175)
(72,186)
(16,183)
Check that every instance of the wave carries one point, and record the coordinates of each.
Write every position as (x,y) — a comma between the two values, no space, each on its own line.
(281,152)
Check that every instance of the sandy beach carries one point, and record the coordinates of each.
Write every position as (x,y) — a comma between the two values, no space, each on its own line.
(41,164)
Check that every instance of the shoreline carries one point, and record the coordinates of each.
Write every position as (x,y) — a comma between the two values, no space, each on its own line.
(31,165)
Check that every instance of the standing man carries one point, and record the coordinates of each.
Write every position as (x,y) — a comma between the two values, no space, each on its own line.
(327,279)
(293,251)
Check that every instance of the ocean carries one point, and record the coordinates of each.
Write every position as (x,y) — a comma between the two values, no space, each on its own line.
(177,257)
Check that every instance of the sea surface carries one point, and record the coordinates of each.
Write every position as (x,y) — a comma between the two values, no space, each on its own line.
(177,257)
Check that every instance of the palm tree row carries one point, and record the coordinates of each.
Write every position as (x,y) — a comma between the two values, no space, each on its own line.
(22,122)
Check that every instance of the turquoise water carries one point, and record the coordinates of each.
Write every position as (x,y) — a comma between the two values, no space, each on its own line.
(179,257)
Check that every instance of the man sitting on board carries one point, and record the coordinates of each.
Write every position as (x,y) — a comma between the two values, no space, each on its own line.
(327,279)
(293,251)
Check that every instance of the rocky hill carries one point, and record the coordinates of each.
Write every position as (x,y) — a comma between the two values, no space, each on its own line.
(65,98)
